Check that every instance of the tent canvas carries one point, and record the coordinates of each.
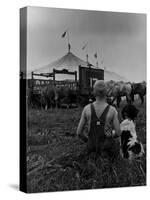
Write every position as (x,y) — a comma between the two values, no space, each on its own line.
(71,62)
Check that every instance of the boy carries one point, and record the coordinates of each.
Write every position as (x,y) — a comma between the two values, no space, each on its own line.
(103,123)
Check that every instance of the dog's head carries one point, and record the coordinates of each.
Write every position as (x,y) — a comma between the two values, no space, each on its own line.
(136,151)
(129,111)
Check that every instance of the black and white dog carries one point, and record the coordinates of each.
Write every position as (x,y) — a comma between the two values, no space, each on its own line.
(131,148)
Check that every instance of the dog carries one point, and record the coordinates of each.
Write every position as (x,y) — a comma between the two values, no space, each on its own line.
(131,147)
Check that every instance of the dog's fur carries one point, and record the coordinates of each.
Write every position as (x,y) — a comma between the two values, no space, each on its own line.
(130,146)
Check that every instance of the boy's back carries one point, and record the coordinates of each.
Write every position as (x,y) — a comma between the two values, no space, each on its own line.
(101,119)
(112,113)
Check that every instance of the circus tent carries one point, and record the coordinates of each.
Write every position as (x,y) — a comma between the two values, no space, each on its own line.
(71,62)
(68,61)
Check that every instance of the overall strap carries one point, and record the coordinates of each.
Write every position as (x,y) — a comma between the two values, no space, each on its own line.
(104,114)
(93,113)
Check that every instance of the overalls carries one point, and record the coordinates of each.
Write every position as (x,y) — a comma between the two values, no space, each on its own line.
(97,140)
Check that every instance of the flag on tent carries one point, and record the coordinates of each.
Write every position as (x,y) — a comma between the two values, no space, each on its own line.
(84,46)
(63,35)
(95,55)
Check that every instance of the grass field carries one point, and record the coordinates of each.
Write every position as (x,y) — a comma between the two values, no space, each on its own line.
(57,160)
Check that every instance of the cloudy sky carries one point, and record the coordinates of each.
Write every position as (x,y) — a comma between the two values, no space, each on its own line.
(118,38)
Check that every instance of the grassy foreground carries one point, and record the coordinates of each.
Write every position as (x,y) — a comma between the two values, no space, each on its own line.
(57,160)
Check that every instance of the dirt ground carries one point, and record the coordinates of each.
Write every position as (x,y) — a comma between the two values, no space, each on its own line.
(57,160)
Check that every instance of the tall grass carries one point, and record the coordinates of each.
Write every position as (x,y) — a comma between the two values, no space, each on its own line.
(62,163)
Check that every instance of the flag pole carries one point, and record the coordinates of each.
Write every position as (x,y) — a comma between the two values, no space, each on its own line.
(69,46)
(67,36)
(85,47)
(97,59)
(87,56)
(102,64)
(97,64)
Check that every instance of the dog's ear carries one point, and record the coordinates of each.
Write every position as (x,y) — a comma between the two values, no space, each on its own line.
(134,112)
(124,112)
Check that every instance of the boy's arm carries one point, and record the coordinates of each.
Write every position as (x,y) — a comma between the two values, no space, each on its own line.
(116,125)
(80,128)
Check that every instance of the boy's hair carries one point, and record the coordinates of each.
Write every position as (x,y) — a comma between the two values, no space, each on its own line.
(129,111)
(99,89)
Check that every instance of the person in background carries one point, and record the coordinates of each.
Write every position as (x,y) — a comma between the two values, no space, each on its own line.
(103,123)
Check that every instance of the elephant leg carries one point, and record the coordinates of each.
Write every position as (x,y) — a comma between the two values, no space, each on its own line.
(118,101)
(51,107)
(142,98)
(46,107)
(56,104)
(41,105)
(132,97)
(128,98)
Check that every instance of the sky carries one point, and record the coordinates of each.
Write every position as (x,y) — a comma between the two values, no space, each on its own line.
(118,38)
